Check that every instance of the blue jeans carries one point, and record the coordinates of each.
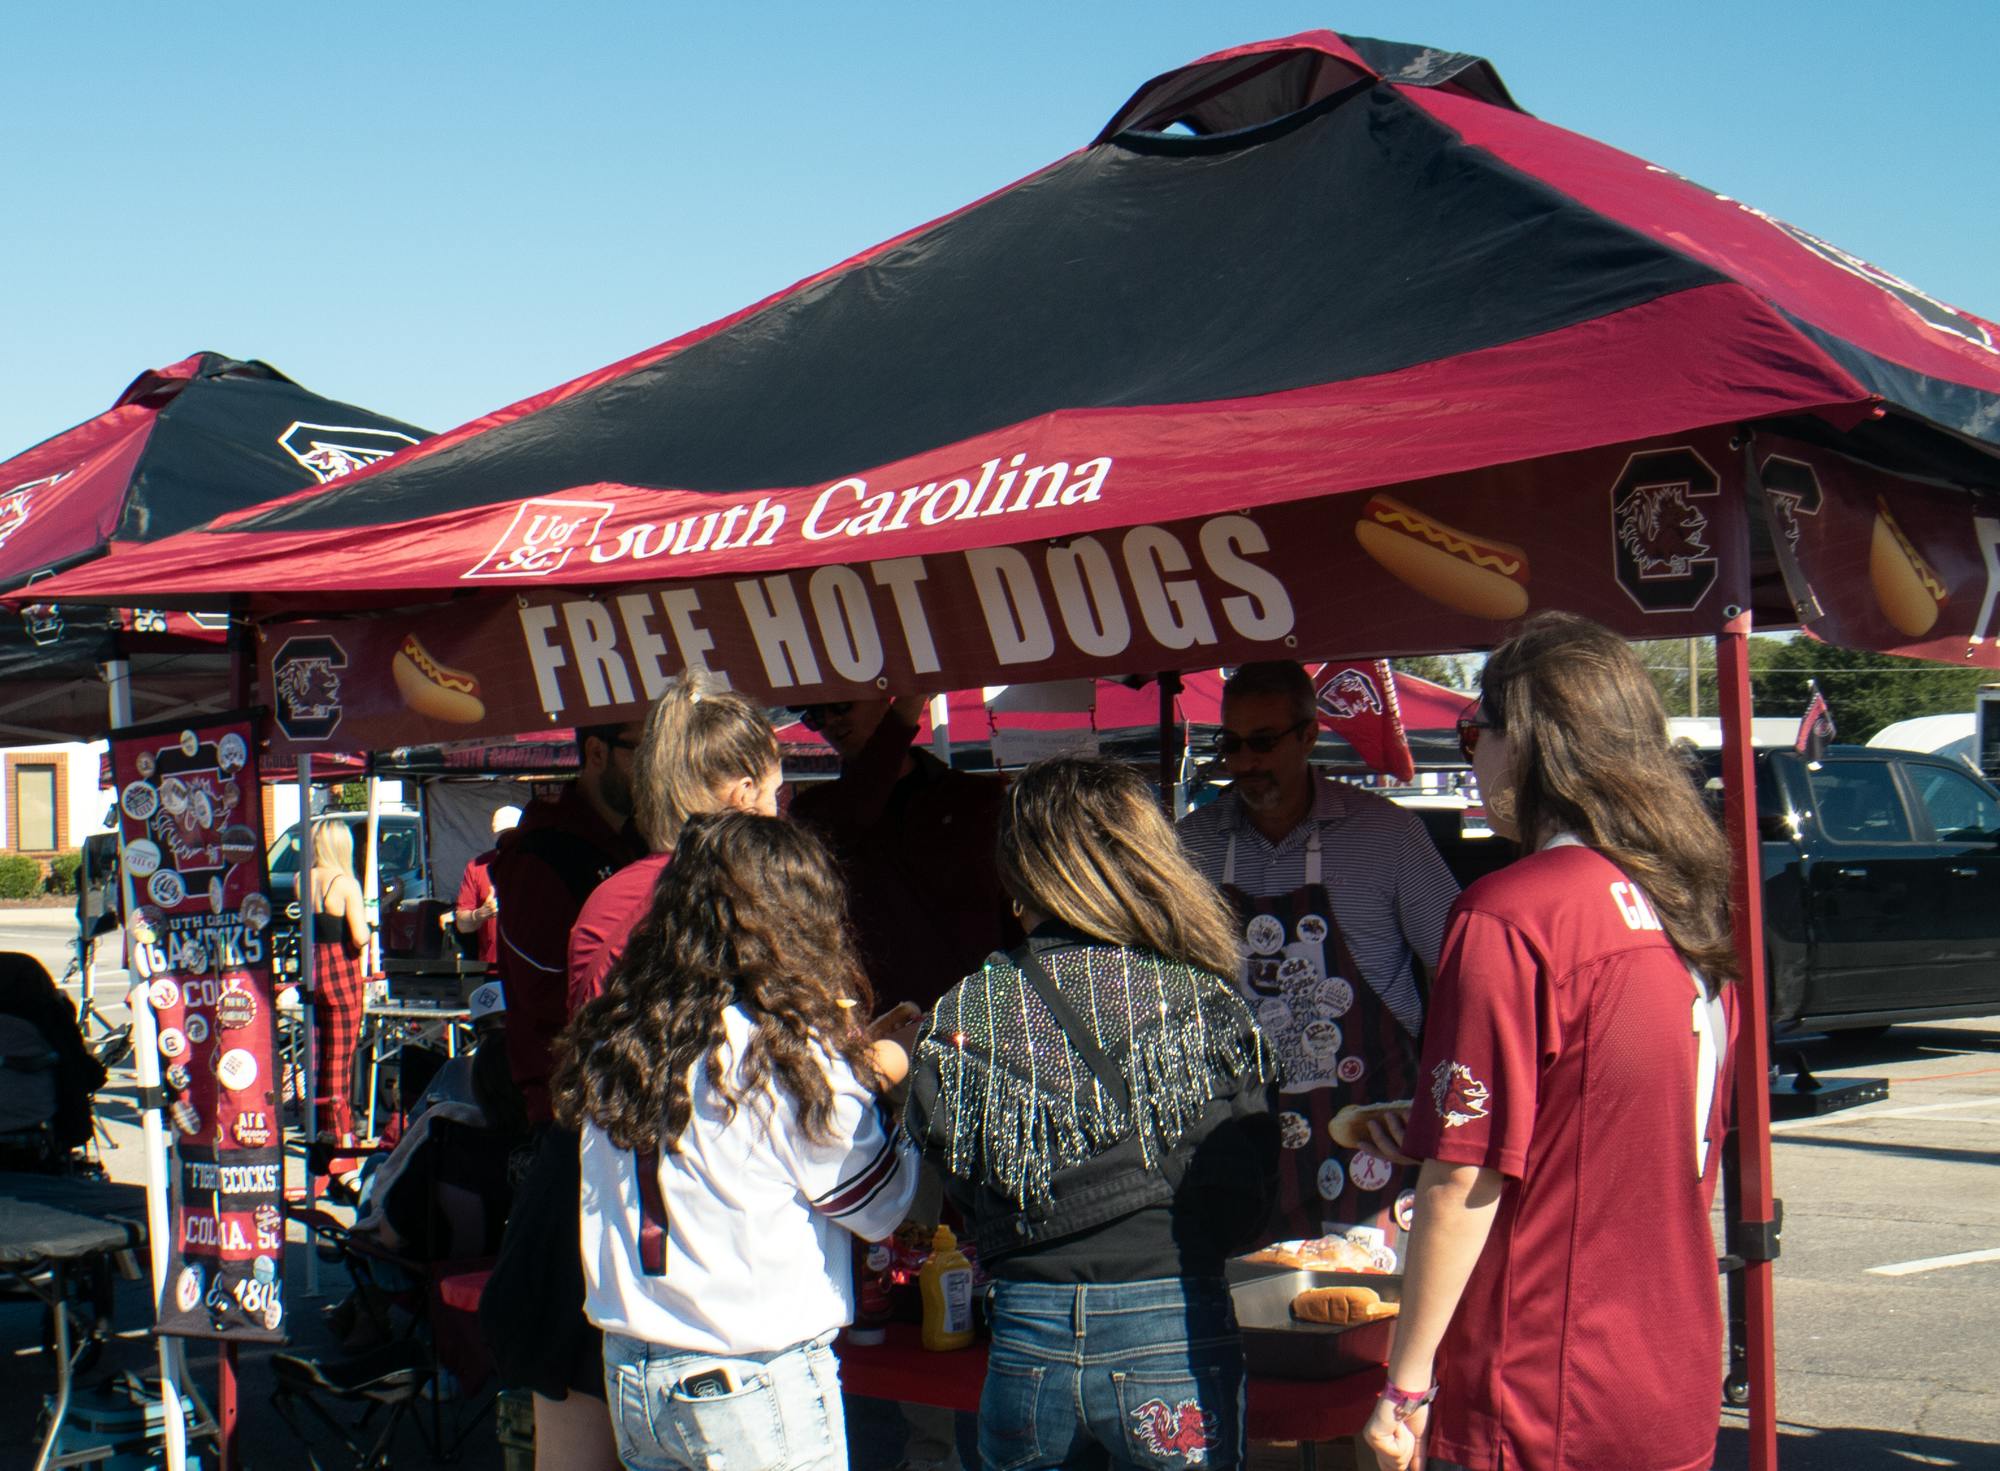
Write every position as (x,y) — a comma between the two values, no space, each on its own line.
(1131,1374)
(779,1412)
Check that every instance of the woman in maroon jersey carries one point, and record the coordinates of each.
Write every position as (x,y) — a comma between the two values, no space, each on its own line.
(1560,1303)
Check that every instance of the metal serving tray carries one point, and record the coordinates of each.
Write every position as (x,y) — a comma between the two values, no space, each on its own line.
(1277,1346)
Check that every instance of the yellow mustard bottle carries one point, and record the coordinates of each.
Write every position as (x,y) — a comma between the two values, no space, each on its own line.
(945,1283)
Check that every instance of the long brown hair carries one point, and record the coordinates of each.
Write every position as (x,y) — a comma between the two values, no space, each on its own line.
(1085,842)
(752,913)
(697,739)
(1587,738)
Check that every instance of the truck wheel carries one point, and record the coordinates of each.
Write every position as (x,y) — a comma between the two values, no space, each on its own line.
(1736,1390)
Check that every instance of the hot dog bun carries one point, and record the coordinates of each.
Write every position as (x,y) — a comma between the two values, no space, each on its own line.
(1349,1127)
(1321,1254)
(1487,579)
(1342,1307)
(1906,588)
(434,689)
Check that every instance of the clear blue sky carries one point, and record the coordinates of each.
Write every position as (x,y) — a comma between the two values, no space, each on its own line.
(434,209)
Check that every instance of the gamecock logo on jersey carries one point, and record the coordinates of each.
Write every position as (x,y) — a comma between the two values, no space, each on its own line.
(1179,1430)
(1458,1096)
(1348,694)
(333,450)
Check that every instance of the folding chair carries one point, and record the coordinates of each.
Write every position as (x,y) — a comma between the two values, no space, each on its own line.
(364,1398)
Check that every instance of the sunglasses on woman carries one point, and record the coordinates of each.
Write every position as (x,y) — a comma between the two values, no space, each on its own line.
(1228,742)
(815,717)
(1470,724)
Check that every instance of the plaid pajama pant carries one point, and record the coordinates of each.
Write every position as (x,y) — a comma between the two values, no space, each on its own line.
(339,991)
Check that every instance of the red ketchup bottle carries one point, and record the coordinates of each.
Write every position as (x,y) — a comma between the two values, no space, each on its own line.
(872,1292)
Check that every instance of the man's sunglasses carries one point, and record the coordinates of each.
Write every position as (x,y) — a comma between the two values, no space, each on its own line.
(815,717)
(1469,726)
(1228,742)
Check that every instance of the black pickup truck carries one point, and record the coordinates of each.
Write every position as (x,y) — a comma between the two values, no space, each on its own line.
(1881,886)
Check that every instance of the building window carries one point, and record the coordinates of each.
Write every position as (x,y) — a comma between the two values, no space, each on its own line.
(37,827)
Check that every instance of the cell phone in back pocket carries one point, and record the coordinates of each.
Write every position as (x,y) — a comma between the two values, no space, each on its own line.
(709,1384)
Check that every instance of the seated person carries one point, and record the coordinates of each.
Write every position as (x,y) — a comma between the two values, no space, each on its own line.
(443,1193)
(27,992)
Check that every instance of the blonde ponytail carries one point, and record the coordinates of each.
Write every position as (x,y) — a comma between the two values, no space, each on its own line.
(697,740)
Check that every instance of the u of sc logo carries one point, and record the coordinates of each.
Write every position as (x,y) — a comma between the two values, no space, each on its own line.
(541,538)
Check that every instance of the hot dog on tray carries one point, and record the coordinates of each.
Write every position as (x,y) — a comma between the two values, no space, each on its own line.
(1488,579)
(435,689)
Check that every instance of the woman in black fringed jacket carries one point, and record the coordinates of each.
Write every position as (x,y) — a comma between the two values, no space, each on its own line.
(1099,1100)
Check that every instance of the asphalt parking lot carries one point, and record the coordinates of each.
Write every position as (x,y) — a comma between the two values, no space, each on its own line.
(1886,1289)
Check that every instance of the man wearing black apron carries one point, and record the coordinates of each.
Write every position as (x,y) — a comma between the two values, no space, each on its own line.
(1342,897)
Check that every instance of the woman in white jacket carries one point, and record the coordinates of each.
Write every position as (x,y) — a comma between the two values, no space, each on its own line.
(732,1138)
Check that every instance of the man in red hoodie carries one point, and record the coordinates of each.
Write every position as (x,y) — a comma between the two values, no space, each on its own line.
(543,871)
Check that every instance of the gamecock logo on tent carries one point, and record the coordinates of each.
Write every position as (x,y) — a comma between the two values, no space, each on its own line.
(542,537)
(1348,694)
(1659,546)
(13,513)
(1793,490)
(330,451)
(305,687)
(15,504)
(1939,316)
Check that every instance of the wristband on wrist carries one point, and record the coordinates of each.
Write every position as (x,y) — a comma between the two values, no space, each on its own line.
(1406,1402)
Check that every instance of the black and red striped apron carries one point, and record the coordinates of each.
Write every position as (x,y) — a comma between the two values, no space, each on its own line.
(1339,1044)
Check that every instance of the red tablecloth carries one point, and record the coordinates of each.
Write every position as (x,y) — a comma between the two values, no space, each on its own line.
(460,1291)
(1280,1409)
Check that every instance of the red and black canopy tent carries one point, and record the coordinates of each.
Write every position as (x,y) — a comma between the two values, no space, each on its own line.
(1323,348)
(181,445)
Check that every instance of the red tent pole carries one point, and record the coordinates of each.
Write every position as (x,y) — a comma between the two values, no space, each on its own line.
(1753,1232)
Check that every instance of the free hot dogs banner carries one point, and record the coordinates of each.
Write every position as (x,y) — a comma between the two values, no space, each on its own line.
(1648,540)
(192,842)
(1892,564)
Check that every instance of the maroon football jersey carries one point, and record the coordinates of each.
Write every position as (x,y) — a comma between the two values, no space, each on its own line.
(1569,1047)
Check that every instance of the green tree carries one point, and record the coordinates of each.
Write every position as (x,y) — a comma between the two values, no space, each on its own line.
(1668,661)
(1865,690)
(1453,671)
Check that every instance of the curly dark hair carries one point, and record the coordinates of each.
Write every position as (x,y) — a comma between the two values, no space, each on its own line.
(752,913)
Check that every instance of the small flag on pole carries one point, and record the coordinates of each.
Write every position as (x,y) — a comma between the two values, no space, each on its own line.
(1815,727)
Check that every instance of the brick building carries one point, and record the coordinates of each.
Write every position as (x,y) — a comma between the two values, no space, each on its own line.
(50,799)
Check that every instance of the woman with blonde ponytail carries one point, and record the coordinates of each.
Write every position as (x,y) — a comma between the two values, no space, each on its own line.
(1099,1100)
(1559,1301)
(703,749)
